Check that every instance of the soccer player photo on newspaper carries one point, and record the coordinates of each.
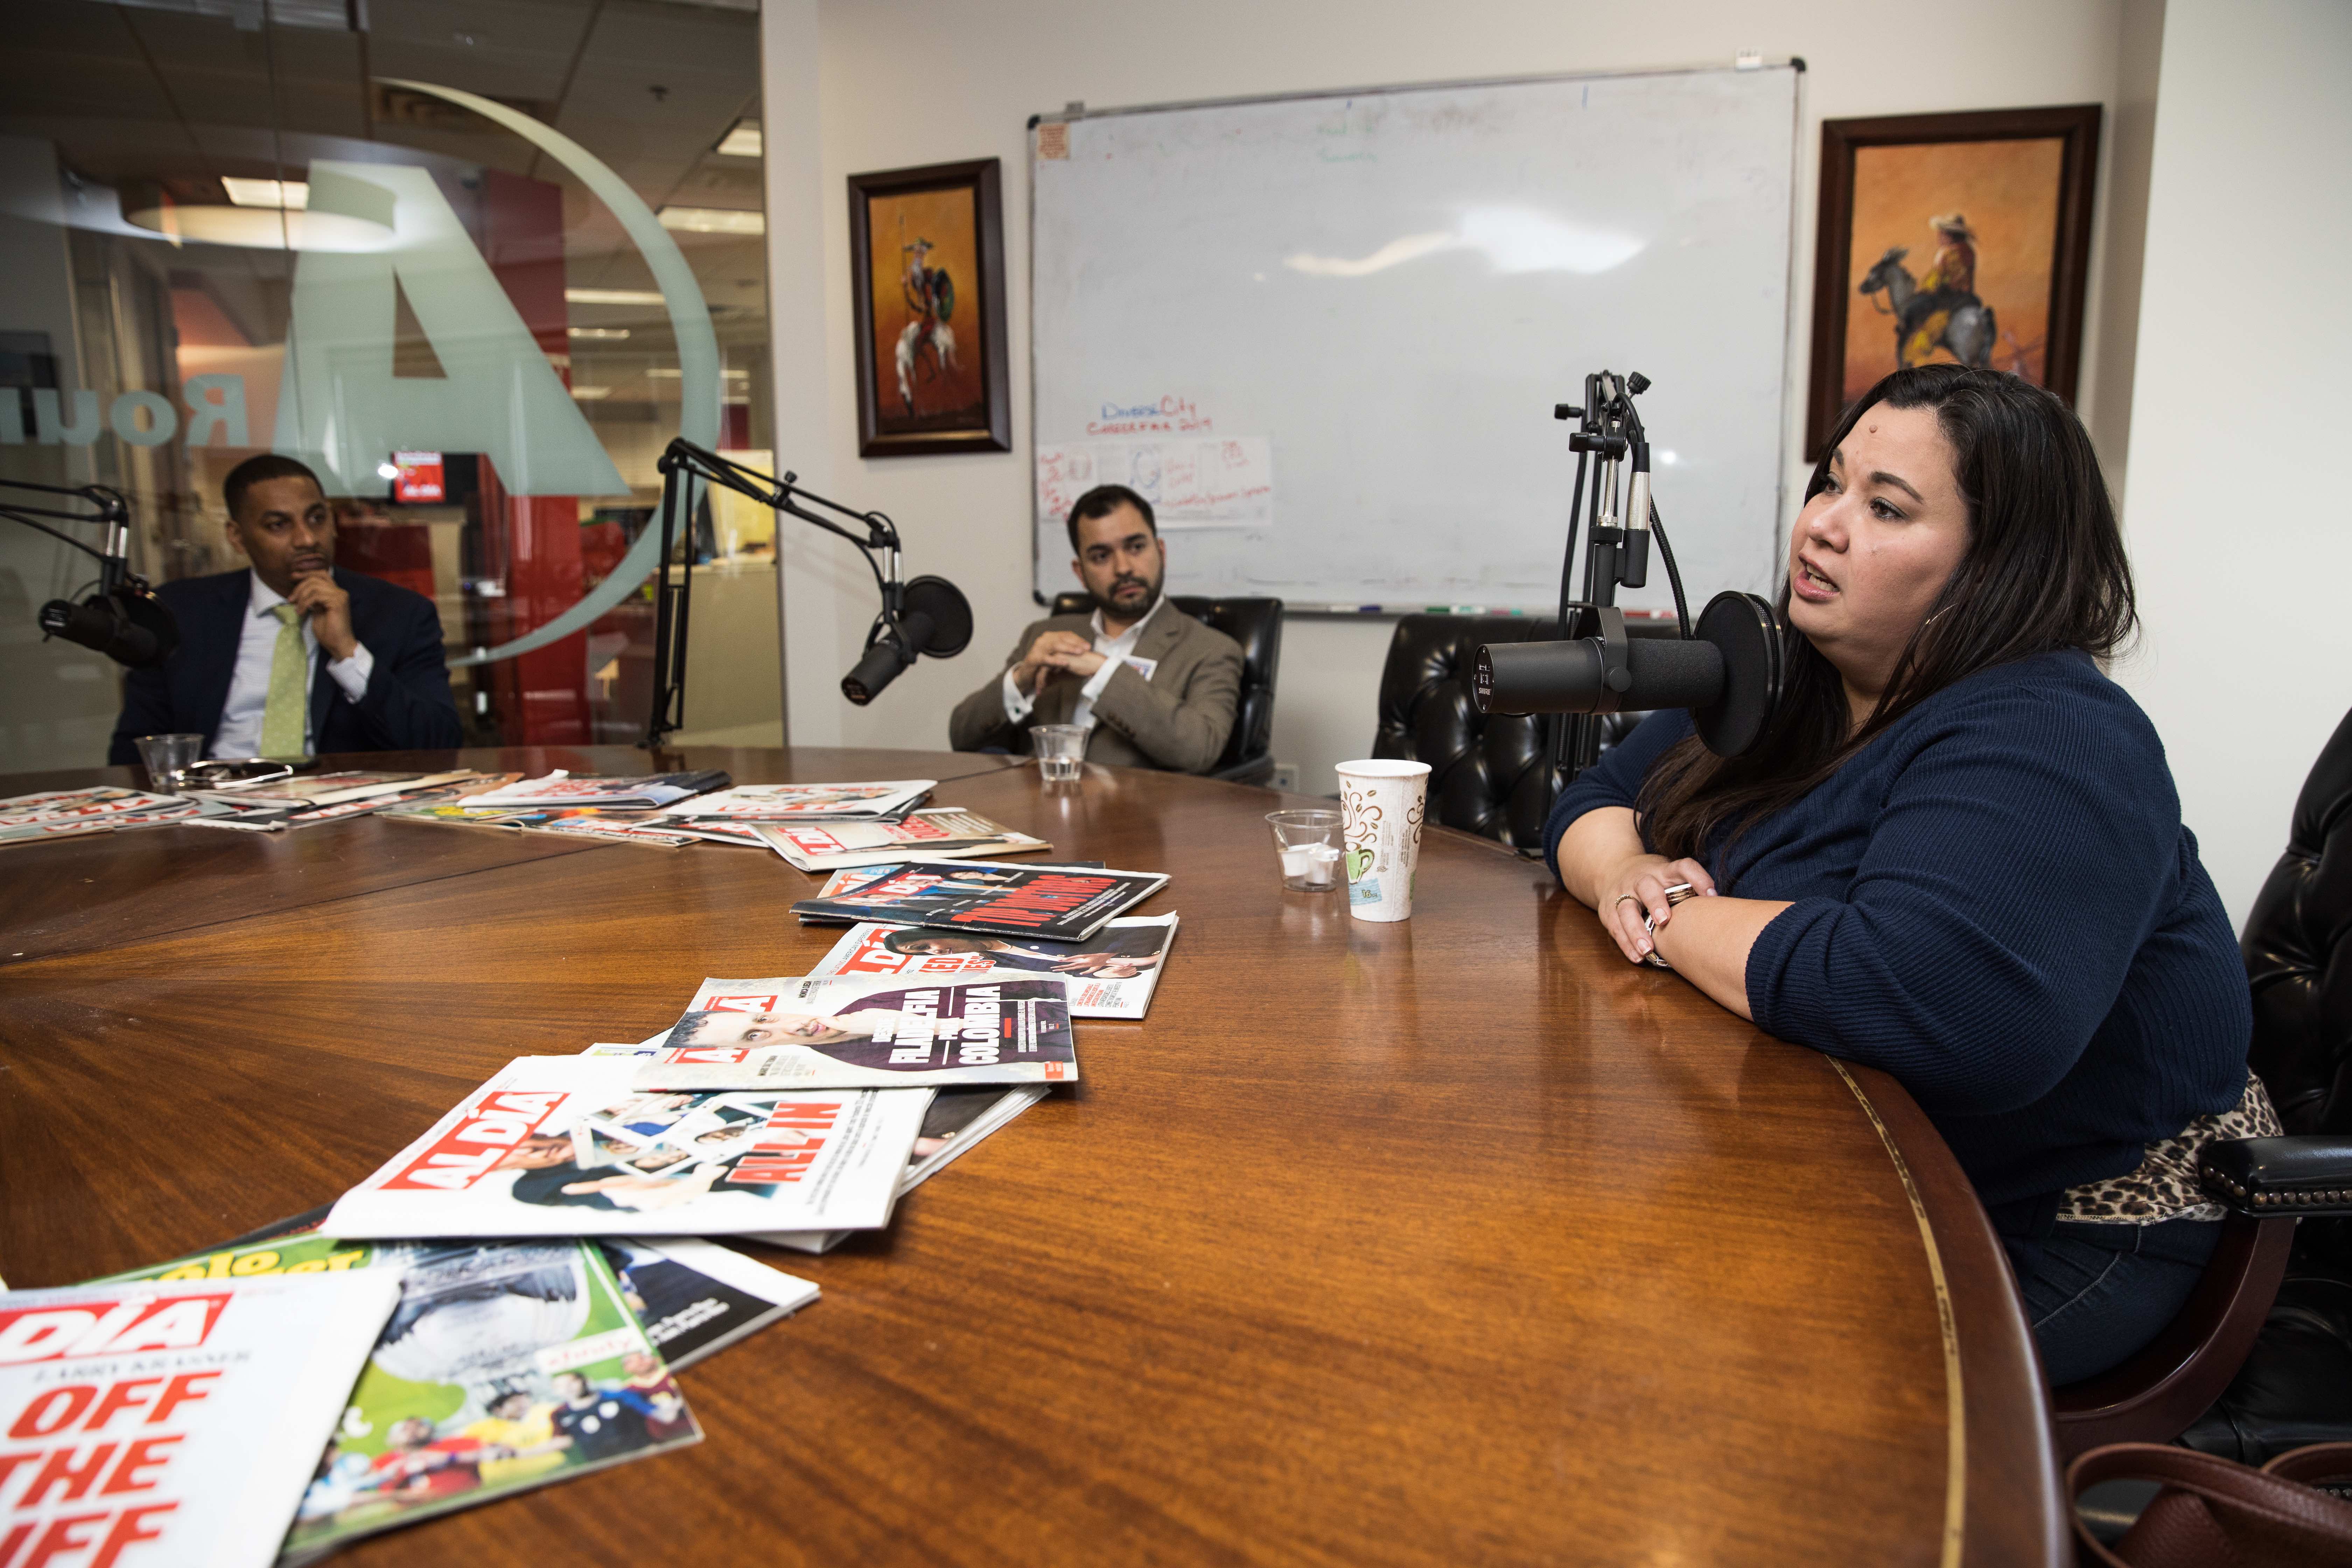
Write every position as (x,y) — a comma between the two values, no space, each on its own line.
(864,1032)
(505,1366)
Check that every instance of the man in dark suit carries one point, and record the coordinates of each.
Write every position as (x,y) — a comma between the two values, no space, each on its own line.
(291,657)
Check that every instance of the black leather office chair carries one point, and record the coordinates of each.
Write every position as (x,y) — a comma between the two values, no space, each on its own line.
(1256,625)
(2278,1355)
(1487,774)
(2295,1385)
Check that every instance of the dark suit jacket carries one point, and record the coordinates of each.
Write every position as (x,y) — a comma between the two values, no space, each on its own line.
(408,706)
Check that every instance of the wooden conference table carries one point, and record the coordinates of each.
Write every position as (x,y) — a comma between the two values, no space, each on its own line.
(1460,1241)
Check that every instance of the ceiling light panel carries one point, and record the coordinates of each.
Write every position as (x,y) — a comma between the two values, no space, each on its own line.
(289,195)
(712,220)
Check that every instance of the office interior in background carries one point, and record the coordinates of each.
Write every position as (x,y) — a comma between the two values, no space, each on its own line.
(477,266)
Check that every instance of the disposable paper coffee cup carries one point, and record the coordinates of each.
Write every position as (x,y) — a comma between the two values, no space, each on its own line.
(1380,807)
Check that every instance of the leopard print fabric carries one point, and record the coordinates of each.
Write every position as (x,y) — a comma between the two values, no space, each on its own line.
(2165,1186)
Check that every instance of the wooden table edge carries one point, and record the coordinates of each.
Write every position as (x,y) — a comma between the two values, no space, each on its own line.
(2002,1502)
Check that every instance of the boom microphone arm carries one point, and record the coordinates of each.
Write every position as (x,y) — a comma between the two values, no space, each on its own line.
(123,620)
(928,615)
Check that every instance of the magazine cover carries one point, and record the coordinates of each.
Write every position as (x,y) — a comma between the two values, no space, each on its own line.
(795,802)
(712,831)
(1112,974)
(335,788)
(941,834)
(613,828)
(696,1297)
(958,1120)
(560,788)
(842,882)
(155,811)
(151,1423)
(1052,902)
(854,1032)
(96,802)
(494,1375)
(631,825)
(265,817)
(566,1146)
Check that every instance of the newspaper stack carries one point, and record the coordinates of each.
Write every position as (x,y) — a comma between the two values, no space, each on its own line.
(70,813)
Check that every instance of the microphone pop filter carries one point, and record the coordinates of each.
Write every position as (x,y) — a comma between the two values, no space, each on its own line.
(1744,630)
(950,614)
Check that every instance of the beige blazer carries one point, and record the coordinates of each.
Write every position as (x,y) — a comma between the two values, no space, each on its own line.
(1178,720)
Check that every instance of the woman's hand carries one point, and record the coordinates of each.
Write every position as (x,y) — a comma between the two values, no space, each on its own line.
(1637,887)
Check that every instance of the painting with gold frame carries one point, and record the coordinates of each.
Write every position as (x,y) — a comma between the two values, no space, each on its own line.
(927,271)
(1951,239)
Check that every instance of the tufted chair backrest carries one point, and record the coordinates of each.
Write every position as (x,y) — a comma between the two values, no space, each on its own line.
(1488,775)
(2298,949)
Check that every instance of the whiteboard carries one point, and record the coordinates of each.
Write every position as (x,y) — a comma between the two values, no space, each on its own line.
(1325,333)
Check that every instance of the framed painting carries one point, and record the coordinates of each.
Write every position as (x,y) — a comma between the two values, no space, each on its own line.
(927,270)
(1951,239)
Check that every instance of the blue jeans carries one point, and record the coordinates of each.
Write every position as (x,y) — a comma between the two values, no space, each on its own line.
(2096,1294)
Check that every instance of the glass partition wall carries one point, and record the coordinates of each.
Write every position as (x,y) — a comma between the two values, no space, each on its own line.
(474,264)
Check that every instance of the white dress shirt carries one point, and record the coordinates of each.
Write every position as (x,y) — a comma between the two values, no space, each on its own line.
(1116,651)
(239,734)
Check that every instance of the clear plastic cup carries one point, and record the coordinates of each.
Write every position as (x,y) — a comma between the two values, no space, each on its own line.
(168,759)
(1308,844)
(1060,749)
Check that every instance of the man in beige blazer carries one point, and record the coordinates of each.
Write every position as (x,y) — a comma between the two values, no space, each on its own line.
(1155,687)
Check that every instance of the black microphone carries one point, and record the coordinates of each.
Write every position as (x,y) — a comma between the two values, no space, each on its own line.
(934,618)
(1728,676)
(128,624)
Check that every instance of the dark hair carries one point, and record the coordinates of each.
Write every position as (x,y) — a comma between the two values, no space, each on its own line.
(1101,502)
(2044,569)
(687,1029)
(260,470)
(904,940)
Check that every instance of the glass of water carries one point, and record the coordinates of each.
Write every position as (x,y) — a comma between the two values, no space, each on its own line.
(168,759)
(1060,749)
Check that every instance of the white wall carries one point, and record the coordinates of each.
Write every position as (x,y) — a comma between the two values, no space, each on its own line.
(906,82)
(2235,507)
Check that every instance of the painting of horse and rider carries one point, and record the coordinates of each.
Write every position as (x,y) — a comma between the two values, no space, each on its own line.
(1938,245)
(929,268)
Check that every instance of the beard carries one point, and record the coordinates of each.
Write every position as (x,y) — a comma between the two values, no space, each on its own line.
(1122,595)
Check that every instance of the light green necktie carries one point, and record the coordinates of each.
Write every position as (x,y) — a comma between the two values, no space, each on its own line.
(283,720)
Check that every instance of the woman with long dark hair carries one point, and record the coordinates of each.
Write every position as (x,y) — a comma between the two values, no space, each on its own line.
(1958,853)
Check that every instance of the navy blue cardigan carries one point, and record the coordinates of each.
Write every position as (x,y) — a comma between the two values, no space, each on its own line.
(1996,902)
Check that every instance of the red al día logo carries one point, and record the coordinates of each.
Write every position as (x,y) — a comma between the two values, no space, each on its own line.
(144,1322)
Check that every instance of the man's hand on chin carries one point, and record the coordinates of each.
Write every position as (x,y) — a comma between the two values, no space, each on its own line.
(330,611)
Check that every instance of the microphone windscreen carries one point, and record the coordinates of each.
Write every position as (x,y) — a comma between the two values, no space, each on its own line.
(1669,673)
(103,625)
(148,613)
